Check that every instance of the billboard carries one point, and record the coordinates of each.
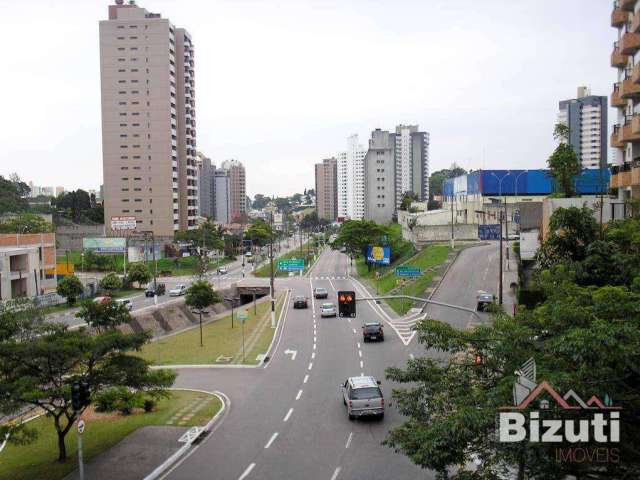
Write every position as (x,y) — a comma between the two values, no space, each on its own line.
(123,223)
(489,232)
(104,244)
(379,255)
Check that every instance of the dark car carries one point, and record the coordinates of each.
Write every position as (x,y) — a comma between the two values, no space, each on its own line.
(159,289)
(320,293)
(372,331)
(300,302)
(484,300)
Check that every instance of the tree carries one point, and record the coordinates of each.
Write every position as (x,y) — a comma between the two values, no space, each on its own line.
(104,316)
(437,178)
(357,235)
(407,199)
(70,287)
(200,295)
(138,272)
(260,201)
(259,232)
(208,236)
(312,221)
(40,361)
(571,231)
(25,223)
(563,163)
(12,193)
(111,282)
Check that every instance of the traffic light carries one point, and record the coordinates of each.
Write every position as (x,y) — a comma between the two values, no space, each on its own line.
(347,304)
(80,395)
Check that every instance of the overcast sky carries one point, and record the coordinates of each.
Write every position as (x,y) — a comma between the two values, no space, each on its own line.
(281,84)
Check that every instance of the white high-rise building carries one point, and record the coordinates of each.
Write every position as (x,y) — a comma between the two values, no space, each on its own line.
(351,180)
(412,162)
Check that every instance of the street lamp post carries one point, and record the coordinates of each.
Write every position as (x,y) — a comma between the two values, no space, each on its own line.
(516,194)
(500,244)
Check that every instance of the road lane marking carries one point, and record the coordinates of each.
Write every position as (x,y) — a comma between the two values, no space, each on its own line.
(286,417)
(358,344)
(362,374)
(335,473)
(360,353)
(299,394)
(247,472)
(349,440)
(412,356)
(306,378)
(361,364)
(314,338)
(332,285)
(271,440)
(310,365)
(313,355)
(349,320)
(354,330)
(314,346)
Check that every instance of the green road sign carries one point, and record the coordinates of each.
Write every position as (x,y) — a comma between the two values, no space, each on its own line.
(291,264)
(408,271)
(242,315)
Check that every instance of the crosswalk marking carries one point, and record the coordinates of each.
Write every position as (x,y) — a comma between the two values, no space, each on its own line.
(330,278)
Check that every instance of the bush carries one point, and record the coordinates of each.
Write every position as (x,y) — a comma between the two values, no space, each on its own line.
(70,287)
(130,400)
(121,399)
(107,401)
(111,282)
(149,405)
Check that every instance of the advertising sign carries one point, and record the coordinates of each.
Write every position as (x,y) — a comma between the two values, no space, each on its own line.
(104,244)
(123,223)
(489,232)
(379,255)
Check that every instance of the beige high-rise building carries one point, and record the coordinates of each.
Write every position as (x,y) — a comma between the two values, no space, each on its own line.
(327,189)
(148,120)
(237,190)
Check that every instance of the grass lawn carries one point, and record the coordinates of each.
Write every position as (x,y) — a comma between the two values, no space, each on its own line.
(265,270)
(39,459)
(218,339)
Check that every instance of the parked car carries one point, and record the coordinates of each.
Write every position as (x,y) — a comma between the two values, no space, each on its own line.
(222,270)
(159,289)
(483,300)
(300,302)
(320,292)
(178,290)
(372,331)
(126,302)
(362,397)
(328,310)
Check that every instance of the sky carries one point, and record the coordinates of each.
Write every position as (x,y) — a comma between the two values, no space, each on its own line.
(281,84)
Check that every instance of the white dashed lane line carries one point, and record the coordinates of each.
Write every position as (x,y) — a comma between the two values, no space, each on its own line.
(286,417)
(360,353)
(361,364)
(335,473)
(358,344)
(354,330)
(349,440)
(306,378)
(299,395)
(271,440)
(310,365)
(313,355)
(246,473)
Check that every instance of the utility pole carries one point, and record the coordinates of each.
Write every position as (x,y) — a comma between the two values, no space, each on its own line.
(500,269)
(273,298)
(452,239)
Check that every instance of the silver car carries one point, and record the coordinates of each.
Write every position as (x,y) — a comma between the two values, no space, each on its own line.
(178,290)
(362,397)
(328,310)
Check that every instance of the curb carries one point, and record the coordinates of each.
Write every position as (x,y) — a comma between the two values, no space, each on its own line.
(176,456)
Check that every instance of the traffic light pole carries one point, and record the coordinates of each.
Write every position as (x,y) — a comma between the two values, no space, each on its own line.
(80,460)
(422,300)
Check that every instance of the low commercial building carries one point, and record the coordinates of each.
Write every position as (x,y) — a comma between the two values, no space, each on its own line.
(27,265)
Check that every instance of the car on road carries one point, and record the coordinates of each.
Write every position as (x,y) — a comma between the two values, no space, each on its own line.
(178,290)
(159,289)
(222,270)
(483,300)
(104,299)
(126,302)
(300,302)
(320,292)
(372,331)
(362,397)
(328,310)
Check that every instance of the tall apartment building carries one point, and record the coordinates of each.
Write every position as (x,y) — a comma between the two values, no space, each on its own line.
(412,162)
(350,178)
(237,190)
(148,120)
(326,189)
(221,197)
(380,177)
(206,186)
(625,139)
(586,117)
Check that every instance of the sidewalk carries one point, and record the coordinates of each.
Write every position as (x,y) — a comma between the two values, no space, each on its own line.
(509,278)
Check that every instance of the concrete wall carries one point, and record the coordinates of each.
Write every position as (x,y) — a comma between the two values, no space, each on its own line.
(529,244)
(612,209)
(69,237)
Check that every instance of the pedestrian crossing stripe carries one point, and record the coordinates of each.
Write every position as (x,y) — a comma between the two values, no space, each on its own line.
(329,278)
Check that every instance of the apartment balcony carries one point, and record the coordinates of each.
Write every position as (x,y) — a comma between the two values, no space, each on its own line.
(616,100)
(615,138)
(629,89)
(621,180)
(617,58)
(635,23)
(630,131)
(618,16)
(630,43)
(627,5)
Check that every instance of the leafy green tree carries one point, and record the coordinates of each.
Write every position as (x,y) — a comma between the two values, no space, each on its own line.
(437,178)
(564,163)
(12,193)
(260,201)
(139,273)
(70,287)
(407,199)
(111,282)
(201,295)
(104,316)
(312,221)
(357,235)
(25,223)
(208,236)
(259,232)
(40,361)
(73,205)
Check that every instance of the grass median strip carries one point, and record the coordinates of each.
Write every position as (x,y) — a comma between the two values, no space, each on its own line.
(39,459)
(222,342)
(306,252)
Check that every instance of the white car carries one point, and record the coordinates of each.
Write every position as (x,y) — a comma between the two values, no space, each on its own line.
(126,302)
(222,270)
(328,310)
(178,290)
